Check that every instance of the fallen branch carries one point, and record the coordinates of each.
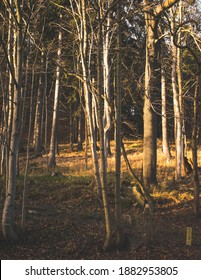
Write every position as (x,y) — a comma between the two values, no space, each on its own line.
(140,183)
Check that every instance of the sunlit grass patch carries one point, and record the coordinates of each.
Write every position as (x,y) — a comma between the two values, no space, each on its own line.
(167,198)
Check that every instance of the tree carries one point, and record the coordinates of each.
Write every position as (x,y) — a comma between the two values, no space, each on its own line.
(8,209)
(191,45)
(152,14)
(107,34)
(118,215)
(177,103)
(165,144)
(37,141)
(52,158)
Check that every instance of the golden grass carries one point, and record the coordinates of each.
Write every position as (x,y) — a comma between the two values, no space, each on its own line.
(74,164)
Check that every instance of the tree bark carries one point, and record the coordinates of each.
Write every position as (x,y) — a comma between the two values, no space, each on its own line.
(103,166)
(37,143)
(195,134)
(8,231)
(177,109)
(118,213)
(88,105)
(106,80)
(53,141)
(152,15)
(165,143)
(150,124)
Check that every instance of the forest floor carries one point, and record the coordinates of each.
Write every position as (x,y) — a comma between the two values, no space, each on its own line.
(65,218)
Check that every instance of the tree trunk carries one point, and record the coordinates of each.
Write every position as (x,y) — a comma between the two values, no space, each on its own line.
(80,129)
(177,110)
(38,116)
(150,124)
(195,133)
(53,141)
(25,190)
(106,81)
(118,214)
(71,128)
(88,105)
(152,16)
(8,209)
(180,87)
(11,55)
(4,128)
(86,142)
(103,166)
(165,144)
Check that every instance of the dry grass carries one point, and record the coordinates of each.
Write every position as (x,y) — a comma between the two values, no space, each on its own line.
(74,164)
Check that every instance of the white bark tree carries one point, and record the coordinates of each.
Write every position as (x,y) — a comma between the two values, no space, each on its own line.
(177,92)
(165,143)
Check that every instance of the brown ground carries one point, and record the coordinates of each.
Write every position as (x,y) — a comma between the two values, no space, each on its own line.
(65,218)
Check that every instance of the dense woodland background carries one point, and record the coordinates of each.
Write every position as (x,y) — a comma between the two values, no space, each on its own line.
(100,129)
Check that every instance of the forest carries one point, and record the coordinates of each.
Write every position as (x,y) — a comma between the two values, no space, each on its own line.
(100,129)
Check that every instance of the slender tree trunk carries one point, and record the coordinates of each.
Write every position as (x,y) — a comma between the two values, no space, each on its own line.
(86,142)
(88,105)
(80,129)
(180,87)
(8,210)
(103,168)
(4,134)
(38,116)
(118,214)
(81,124)
(11,55)
(177,110)
(52,156)
(195,134)
(46,110)
(165,143)
(106,81)
(71,128)
(26,185)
